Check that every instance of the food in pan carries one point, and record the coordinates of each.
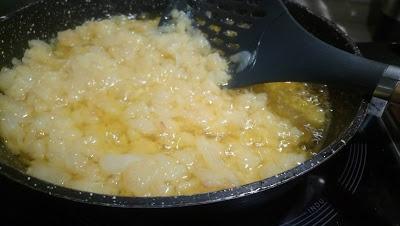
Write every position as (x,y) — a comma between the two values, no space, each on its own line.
(122,107)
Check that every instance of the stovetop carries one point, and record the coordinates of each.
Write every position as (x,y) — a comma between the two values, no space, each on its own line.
(359,186)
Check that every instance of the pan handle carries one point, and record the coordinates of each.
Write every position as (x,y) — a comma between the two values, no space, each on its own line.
(389,85)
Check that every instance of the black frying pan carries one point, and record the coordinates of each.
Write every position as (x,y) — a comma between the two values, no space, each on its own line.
(43,19)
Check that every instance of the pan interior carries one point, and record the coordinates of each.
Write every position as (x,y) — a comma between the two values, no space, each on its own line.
(43,19)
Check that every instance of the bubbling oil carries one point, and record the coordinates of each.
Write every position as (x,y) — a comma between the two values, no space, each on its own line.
(122,107)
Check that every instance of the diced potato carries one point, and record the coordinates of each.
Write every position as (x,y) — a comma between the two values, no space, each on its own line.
(120,106)
(45,171)
(117,163)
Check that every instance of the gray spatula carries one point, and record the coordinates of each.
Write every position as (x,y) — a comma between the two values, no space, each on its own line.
(266,44)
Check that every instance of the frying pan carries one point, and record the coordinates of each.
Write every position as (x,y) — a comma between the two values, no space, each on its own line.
(43,19)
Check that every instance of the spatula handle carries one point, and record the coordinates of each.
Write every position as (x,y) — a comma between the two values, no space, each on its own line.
(315,60)
(290,53)
(337,67)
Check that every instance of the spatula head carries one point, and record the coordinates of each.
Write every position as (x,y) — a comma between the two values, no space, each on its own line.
(234,27)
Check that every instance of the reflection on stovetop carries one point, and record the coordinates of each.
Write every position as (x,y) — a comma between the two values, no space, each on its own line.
(382,184)
(366,193)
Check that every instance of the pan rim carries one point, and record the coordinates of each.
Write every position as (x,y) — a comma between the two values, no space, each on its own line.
(203,198)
